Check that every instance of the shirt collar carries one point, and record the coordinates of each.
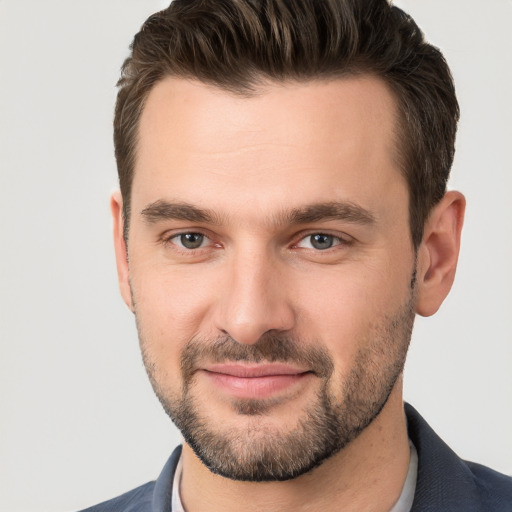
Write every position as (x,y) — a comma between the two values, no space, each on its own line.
(403,504)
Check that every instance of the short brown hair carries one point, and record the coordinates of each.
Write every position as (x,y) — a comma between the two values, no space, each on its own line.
(236,44)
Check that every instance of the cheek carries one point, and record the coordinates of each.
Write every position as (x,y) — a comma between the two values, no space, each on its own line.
(170,307)
(345,305)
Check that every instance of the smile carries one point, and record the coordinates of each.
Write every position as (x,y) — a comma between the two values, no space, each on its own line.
(255,381)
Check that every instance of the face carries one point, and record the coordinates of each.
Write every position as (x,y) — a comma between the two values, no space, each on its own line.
(270,267)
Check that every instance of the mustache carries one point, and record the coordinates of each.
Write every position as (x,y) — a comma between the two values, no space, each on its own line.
(270,348)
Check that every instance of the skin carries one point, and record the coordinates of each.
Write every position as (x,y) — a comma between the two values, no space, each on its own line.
(250,162)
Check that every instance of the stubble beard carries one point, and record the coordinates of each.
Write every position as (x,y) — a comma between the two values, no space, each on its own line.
(259,453)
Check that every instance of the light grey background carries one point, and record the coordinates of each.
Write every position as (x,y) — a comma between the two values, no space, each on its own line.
(79,423)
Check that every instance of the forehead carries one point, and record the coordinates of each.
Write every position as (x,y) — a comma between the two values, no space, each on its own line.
(291,142)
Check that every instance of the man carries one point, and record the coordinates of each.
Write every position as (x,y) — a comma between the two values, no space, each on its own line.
(283,216)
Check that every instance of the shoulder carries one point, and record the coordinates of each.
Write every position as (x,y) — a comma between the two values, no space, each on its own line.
(149,497)
(136,500)
(495,489)
(449,484)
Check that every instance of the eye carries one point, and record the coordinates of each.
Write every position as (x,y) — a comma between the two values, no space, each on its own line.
(189,240)
(319,241)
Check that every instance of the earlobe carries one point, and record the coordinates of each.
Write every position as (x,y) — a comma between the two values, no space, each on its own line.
(439,252)
(123,274)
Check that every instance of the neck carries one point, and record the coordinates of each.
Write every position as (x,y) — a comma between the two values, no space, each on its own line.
(367,475)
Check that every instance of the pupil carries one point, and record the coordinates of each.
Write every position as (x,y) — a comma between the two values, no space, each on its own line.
(192,240)
(320,241)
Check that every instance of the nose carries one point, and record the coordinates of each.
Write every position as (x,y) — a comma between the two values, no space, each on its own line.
(254,300)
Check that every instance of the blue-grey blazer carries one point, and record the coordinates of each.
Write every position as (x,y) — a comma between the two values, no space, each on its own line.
(445,483)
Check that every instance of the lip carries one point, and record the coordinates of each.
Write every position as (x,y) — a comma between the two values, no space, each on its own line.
(255,370)
(255,381)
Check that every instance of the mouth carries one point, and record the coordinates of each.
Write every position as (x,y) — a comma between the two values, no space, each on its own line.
(255,381)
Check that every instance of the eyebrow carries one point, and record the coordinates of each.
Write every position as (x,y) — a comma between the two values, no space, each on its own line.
(345,211)
(164,210)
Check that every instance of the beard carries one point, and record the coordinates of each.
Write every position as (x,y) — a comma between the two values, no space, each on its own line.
(342,407)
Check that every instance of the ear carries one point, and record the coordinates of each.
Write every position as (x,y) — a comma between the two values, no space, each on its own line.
(123,271)
(439,252)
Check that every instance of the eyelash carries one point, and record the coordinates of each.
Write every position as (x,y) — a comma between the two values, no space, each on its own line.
(169,240)
(338,240)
